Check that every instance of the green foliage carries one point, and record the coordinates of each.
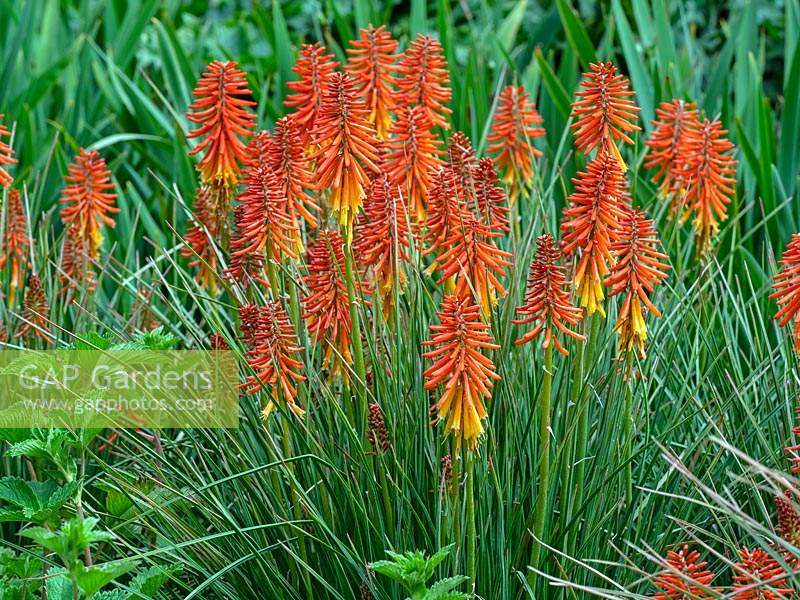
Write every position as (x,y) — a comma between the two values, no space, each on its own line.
(412,570)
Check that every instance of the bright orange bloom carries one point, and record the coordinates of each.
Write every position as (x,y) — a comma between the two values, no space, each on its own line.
(199,246)
(462,160)
(474,261)
(758,576)
(414,154)
(787,289)
(547,303)
(382,239)
(604,113)
(686,577)
(589,224)
(424,79)
(272,355)
(6,156)
(293,170)
(514,127)
(788,517)
(76,264)
(36,311)
(88,199)
(490,199)
(245,268)
(327,309)
(711,179)
(15,242)
(222,109)
(370,61)
(347,148)
(666,144)
(445,207)
(315,65)
(459,362)
(638,269)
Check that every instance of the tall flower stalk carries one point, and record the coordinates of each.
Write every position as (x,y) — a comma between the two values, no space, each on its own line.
(16,243)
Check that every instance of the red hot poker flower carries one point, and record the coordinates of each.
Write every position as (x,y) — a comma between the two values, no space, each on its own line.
(685,577)
(667,142)
(459,343)
(788,517)
(758,576)
(793,450)
(462,161)
(490,199)
(589,225)
(604,113)
(16,242)
(370,61)
(547,303)
(638,269)
(787,289)
(77,268)
(36,310)
(347,148)
(292,168)
(514,127)
(711,179)
(199,246)
(88,198)
(425,80)
(413,156)
(6,156)
(273,355)
(315,65)
(327,310)
(445,207)
(222,110)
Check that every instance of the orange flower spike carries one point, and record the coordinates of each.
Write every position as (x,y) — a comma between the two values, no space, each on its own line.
(788,517)
(638,269)
(36,311)
(711,179)
(515,125)
(547,302)
(326,306)
(382,239)
(315,66)
(665,143)
(273,354)
(370,61)
(758,576)
(222,111)
(414,154)
(445,208)
(424,79)
(461,159)
(604,113)
(76,264)
(686,576)
(347,149)
(795,449)
(461,366)
(491,202)
(786,284)
(6,156)
(87,199)
(199,247)
(589,225)
(474,262)
(16,242)
(292,167)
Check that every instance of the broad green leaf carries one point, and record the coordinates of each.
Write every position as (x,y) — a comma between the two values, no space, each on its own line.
(633,57)
(576,33)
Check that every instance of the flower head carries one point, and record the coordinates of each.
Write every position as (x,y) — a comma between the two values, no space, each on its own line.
(87,198)
(490,199)
(547,302)
(292,168)
(589,225)
(370,61)
(222,111)
(36,311)
(15,241)
(685,578)
(758,576)
(347,148)
(199,240)
(638,269)
(378,436)
(77,267)
(604,113)
(273,354)
(514,127)
(315,65)
(462,161)
(710,179)
(794,449)
(788,517)
(460,364)
(414,154)
(424,79)
(667,143)
(444,210)
(787,289)
(6,156)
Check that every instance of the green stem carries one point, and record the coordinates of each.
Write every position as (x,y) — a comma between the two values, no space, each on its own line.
(544,460)
(628,430)
(567,462)
(358,350)
(471,540)
(296,510)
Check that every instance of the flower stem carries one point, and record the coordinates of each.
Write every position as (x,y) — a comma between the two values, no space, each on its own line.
(544,460)
(628,416)
(358,351)
(470,500)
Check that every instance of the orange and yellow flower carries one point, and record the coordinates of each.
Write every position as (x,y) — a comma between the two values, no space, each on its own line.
(460,342)
(787,289)
(15,241)
(6,156)
(424,79)
(686,576)
(315,66)
(547,302)
(666,145)
(514,127)
(490,199)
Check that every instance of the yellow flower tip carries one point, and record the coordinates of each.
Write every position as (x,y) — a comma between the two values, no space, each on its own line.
(267,410)
(590,294)
(615,151)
